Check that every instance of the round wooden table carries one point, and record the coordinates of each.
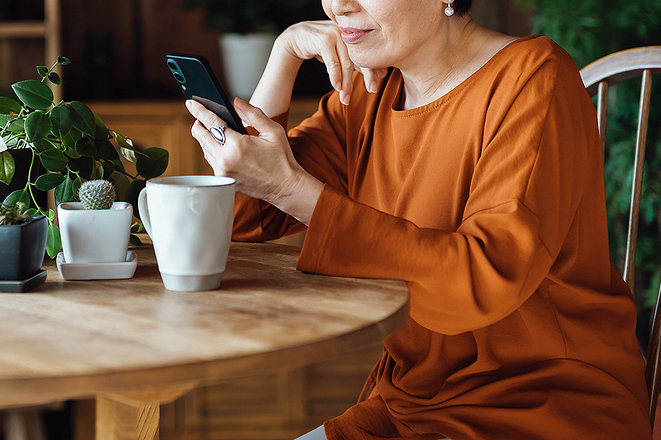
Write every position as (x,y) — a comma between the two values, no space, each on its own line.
(134,345)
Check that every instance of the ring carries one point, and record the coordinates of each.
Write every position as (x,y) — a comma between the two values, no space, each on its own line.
(218,132)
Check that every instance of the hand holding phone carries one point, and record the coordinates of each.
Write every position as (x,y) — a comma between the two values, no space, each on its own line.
(198,82)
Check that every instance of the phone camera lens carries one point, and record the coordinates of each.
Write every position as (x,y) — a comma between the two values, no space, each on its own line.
(172,65)
(179,77)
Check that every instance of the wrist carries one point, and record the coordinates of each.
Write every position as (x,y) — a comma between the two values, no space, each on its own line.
(300,196)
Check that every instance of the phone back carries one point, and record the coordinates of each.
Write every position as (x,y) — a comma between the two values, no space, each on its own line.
(197,81)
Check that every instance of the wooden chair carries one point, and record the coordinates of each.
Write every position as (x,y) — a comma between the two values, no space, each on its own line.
(641,62)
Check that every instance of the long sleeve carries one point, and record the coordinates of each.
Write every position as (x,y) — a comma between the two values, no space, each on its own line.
(525,183)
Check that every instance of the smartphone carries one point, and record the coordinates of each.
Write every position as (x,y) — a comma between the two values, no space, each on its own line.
(197,81)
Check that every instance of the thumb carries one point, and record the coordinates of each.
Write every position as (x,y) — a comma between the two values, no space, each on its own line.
(252,116)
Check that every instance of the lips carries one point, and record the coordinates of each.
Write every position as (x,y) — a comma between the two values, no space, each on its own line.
(353,35)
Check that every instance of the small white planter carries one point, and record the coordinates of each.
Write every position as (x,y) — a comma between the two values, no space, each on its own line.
(95,236)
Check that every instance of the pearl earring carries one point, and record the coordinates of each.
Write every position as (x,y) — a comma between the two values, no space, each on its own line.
(449,11)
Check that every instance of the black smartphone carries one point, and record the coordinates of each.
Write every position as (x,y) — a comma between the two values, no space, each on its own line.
(197,81)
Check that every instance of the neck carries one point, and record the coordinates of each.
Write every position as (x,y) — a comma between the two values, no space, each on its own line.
(442,64)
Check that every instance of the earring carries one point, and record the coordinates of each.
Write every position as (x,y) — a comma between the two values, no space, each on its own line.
(449,11)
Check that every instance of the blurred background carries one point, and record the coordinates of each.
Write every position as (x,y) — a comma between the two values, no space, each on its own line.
(117,49)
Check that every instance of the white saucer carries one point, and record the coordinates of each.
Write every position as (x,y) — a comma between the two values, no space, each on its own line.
(97,271)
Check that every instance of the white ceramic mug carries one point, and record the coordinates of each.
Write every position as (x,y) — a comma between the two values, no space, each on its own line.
(189,219)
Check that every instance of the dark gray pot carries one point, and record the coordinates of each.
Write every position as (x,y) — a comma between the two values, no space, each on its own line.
(22,248)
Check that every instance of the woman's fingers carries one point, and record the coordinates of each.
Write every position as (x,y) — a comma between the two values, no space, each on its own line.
(322,40)
(372,76)
(202,114)
(253,116)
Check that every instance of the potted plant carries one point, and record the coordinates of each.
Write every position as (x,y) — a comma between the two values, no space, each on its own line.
(87,254)
(22,246)
(247,31)
(71,143)
(80,223)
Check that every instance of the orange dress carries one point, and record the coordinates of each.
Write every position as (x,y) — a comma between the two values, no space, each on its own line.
(489,203)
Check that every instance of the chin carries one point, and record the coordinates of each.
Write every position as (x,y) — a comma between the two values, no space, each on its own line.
(367,62)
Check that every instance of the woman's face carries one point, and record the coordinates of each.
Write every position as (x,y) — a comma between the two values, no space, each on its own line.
(384,33)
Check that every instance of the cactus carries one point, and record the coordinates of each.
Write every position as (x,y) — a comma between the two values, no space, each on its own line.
(97,194)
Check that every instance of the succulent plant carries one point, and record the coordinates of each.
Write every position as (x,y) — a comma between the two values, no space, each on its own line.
(97,194)
(12,215)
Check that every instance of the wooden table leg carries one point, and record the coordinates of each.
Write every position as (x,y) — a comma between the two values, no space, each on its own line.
(121,421)
(132,416)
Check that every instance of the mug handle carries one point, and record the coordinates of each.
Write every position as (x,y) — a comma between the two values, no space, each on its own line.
(144,211)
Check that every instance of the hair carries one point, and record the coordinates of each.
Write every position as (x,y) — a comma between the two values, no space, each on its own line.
(462,7)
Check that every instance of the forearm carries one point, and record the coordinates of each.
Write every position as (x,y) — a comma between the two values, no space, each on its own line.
(273,93)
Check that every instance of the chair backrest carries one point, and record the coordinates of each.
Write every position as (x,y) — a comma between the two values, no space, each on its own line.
(641,62)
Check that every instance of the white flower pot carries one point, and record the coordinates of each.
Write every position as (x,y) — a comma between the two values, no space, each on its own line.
(95,236)
(244,59)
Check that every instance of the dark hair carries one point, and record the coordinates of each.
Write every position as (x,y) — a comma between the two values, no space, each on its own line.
(462,7)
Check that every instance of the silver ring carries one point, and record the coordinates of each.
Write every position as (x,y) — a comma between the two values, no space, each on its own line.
(218,132)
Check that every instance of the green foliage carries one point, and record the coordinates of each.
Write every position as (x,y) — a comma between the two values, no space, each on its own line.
(591,29)
(245,16)
(73,145)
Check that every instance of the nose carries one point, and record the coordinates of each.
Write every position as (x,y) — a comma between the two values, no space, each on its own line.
(344,7)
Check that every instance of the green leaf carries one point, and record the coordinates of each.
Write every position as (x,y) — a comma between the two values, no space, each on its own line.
(5,119)
(63,61)
(73,154)
(129,155)
(82,117)
(153,163)
(8,105)
(42,70)
(43,144)
(126,147)
(123,141)
(85,147)
(53,241)
(69,140)
(119,166)
(122,185)
(54,78)
(132,196)
(96,173)
(105,150)
(77,183)
(101,132)
(7,167)
(37,125)
(17,125)
(34,94)
(61,120)
(134,240)
(48,181)
(53,159)
(64,192)
(20,195)
(84,166)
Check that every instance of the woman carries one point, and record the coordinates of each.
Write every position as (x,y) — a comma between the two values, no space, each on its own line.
(467,163)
